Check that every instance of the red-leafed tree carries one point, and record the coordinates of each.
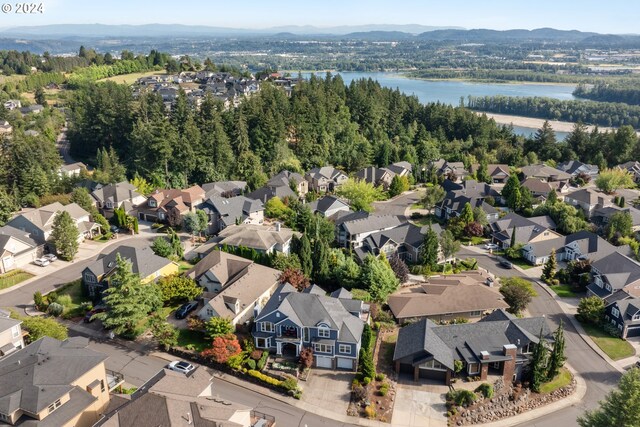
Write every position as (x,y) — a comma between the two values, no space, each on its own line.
(306,357)
(222,348)
(295,277)
(473,229)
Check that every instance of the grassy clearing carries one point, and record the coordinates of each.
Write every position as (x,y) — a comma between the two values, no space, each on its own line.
(561,380)
(131,78)
(193,339)
(615,348)
(564,291)
(12,278)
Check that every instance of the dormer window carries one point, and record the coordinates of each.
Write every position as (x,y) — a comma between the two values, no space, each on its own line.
(324,332)
(152,203)
(636,316)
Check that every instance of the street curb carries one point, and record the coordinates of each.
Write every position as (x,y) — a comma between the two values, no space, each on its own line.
(577,396)
(585,337)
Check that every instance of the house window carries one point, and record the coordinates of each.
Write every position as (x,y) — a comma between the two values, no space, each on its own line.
(324,332)
(344,348)
(323,348)
(608,287)
(152,203)
(305,334)
(475,313)
(267,327)
(89,278)
(262,342)
(615,312)
(636,316)
(473,368)
(210,312)
(435,365)
(55,405)
(4,417)
(102,389)
(15,331)
(409,257)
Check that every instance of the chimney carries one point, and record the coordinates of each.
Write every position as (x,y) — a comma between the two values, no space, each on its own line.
(484,354)
(600,201)
(278,225)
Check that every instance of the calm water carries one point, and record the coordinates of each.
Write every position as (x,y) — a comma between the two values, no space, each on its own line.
(450,91)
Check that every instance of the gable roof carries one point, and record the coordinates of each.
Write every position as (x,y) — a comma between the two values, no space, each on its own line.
(310,309)
(589,196)
(7,232)
(223,188)
(544,171)
(372,174)
(404,234)
(575,167)
(143,261)
(326,203)
(116,193)
(232,208)
(536,186)
(259,237)
(327,172)
(371,223)
(628,307)
(526,229)
(43,217)
(34,377)
(283,179)
(399,168)
(618,270)
(226,267)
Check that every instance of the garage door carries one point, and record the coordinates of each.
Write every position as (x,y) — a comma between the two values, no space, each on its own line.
(323,362)
(633,332)
(344,363)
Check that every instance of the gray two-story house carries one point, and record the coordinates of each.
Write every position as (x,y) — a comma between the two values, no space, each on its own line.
(330,325)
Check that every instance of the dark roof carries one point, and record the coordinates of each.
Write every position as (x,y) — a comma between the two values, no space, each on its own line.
(407,233)
(326,203)
(618,270)
(574,167)
(284,178)
(143,261)
(628,308)
(7,231)
(447,343)
(371,223)
(232,208)
(36,376)
(266,193)
(220,188)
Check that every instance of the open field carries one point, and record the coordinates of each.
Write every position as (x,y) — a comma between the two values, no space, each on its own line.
(131,78)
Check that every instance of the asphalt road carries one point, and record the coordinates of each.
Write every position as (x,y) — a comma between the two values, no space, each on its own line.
(396,206)
(599,376)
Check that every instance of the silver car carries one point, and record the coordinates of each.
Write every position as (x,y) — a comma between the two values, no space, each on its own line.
(42,262)
(180,366)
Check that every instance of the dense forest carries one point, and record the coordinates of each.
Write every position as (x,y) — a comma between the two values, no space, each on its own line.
(624,91)
(591,112)
(541,75)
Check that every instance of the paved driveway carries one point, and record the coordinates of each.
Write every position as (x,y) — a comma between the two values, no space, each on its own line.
(328,389)
(417,407)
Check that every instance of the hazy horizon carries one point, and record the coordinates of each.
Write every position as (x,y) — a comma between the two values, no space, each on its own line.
(590,15)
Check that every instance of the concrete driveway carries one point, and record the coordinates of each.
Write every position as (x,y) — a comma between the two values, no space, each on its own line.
(328,389)
(415,406)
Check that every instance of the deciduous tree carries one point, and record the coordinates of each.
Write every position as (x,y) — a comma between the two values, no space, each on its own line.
(620,407)
(517,293)
(295,277)
(219,326)
(177,289)
(222,348)
(360,194)
(609,180)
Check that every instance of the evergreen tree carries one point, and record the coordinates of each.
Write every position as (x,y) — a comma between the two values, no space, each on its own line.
(399,267)
(128,300)
(467,214)
(511,192)
(81,197)
(539,363)
(320,261)
(483,173)
(306,261)
(557,358)
(513,238)
(550,267)
(64,235)
(429,249)
(378,278)
(552,197)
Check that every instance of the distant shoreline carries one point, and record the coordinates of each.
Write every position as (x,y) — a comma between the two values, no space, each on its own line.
(535,123)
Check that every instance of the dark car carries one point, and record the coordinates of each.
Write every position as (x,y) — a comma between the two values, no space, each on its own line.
(506,264)
(114,229)
(185,309)
(90,313)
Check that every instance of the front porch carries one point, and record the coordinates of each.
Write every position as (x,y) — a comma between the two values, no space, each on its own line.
(114,379)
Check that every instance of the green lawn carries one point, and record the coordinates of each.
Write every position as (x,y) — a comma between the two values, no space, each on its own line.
(561,380)
(184,266)
(14,277)
(615,348)
(74,290)
(417,206)
(475,240)
(195,338)
(521,263)
(564,291)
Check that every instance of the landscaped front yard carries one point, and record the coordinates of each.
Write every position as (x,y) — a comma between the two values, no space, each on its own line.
(563,379)
(13,278)
(564,291)
(72,299)
(615,348)
(192,340)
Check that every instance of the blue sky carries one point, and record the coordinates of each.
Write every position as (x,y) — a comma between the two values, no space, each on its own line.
(611,16)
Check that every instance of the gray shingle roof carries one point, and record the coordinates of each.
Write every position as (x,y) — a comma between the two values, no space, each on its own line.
(232,208)
(34,377)
(266,193)
(326,203)
(116,193)
(220,188)
(544,171)
(284,178)
(143,261)
(371,223)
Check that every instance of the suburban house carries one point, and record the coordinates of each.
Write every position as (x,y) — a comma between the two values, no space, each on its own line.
(235,287)
(39,222)
(527,230)
(404,240)
(544,173)
(52,383)
(401,168)
(499,173)
(469,295)
(326,178)
(121,195)
(588,199)
(498,344)
(331,326)
(580,245)
(378,177)
(174,399)
(602,216)
(266,239)
(5,128)
(163,205)
(73,169)
(575,168)
(624,314)
(351,234)
(11,335)
(224,212)
(146,264)
(633,167)
(17,248)
(264,194)
(224,188)
(454,171)
(471,192)
(539,189)
(291,180)
(615,277)
(32,109)
(328,206)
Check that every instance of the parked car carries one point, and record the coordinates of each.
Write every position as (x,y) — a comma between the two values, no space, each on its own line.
(505,263)
(491,246)
(185,309)
(90,313)
(42,262)
(50,257)
(114,229)
(180,366)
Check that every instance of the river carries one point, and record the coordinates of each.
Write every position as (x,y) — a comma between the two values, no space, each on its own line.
(450,91)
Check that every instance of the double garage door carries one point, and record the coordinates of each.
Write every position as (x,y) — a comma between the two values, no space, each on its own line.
(633,332)
(341,363)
